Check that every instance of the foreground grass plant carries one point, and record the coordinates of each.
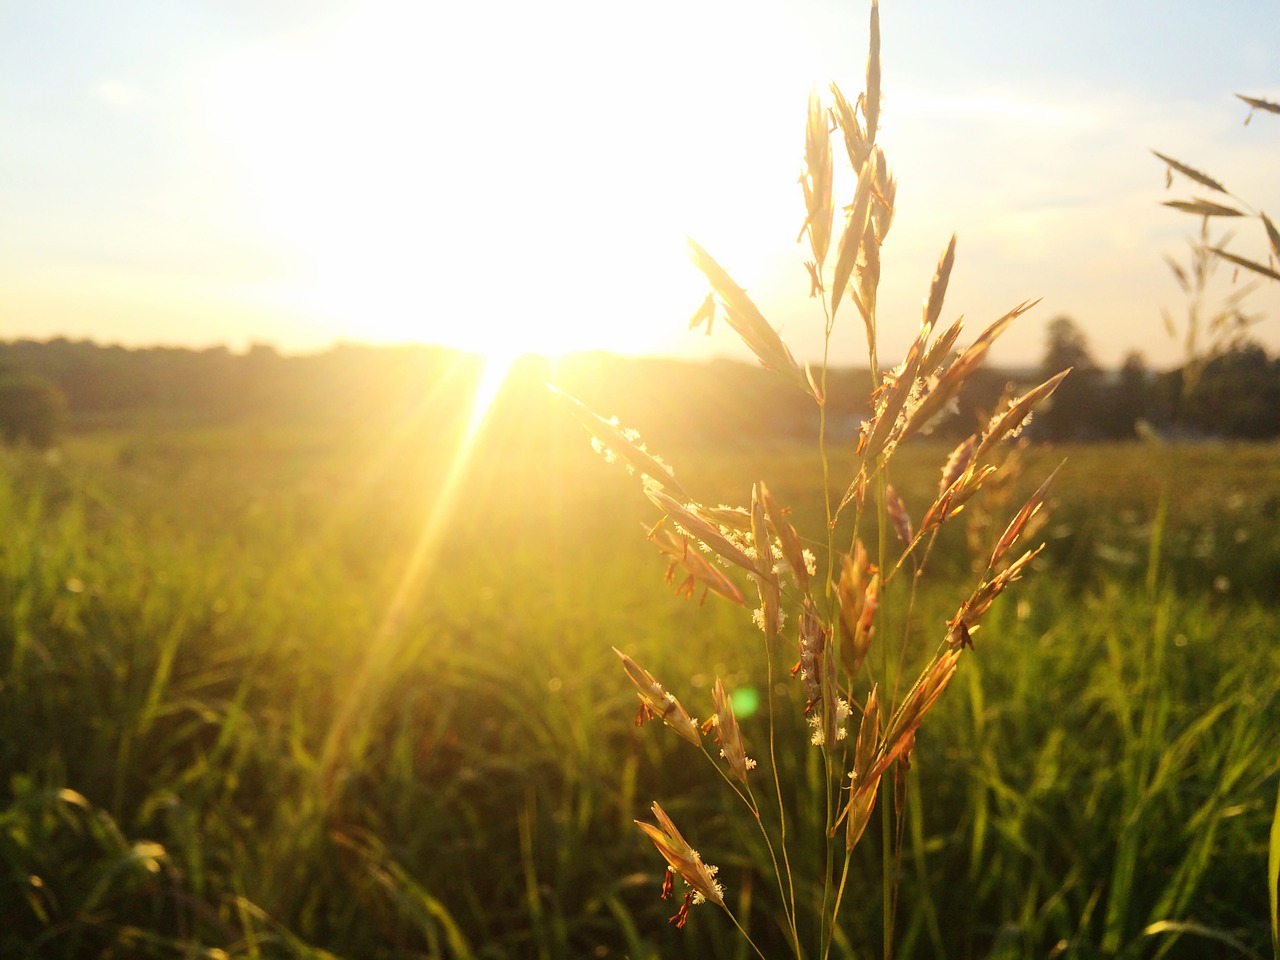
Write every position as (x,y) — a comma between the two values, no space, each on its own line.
(868,674)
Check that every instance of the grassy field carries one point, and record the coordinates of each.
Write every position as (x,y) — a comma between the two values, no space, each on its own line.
(271,692)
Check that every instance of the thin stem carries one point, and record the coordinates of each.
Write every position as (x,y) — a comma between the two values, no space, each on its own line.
(835,912)
(749,799)
(746,936)
(822,448)
(789,896)
(827,923)
(886,811)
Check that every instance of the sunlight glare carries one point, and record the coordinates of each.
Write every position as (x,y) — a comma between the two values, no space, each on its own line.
(439,179)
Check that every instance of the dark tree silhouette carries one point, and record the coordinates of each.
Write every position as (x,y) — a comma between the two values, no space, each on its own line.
(1127,399)
(32,410)
(1074,405)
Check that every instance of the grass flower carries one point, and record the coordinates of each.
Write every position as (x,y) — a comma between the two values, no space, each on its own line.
(684,862)
(837,616)
(655,701)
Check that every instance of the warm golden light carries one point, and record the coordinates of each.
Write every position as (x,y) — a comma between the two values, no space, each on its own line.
(508,204)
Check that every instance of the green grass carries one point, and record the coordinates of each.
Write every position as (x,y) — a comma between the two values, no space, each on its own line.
(228,722)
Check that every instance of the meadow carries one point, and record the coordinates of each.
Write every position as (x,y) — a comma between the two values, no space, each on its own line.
(297,690)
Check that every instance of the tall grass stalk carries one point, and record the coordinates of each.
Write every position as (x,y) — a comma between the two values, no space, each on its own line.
(860,719)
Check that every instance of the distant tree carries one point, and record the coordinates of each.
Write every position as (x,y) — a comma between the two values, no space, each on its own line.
(1237,395)
(32,410)
(1128,399)
(1072,409)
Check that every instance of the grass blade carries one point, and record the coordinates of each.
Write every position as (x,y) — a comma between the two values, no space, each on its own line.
(748,322)
(1192,172)
(1204,208)
(1272,234)
(1273,879)
(1259,104)
(1247,264)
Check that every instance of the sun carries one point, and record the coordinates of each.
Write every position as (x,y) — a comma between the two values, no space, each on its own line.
(446,177)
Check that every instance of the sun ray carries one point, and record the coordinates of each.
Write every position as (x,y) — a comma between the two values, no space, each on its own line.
(492,375)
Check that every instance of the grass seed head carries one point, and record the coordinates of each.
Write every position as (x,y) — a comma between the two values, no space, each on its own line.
(655,701)
(858,596)
(698,571)
(816,182)
(898,515)
(683,860)
(728,734)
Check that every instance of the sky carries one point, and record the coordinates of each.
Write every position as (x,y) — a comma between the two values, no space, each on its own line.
(510,176)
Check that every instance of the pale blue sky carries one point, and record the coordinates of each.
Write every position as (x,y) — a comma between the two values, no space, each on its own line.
(479,174)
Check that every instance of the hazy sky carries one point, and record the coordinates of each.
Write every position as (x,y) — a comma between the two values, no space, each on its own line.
(519,174)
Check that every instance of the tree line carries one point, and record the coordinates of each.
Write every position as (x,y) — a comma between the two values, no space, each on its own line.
(1232,393)
(48,386)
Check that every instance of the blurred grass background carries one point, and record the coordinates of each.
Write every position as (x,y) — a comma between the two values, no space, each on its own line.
(230,724)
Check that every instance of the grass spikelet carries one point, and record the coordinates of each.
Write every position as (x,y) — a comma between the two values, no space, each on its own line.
(952,500)
(938,289)
(836,626)
(617,443)
(1014,418)
(1273,235)
(857,812)
(1192,172)
(858,594)
(746,320)
(701,530)
(855,138)
(705,315)
(816,182)
(698,572)
(868,274)
(851,238)
(1204,208)
(683,860)
(729,736)
(1257,103)
(1245,262)
(655,701)
(766,579)
(871,99)
(883,198)
(948,385)
(900,734)
(957,462)
(898,515)
(793,551)
(1019,523)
